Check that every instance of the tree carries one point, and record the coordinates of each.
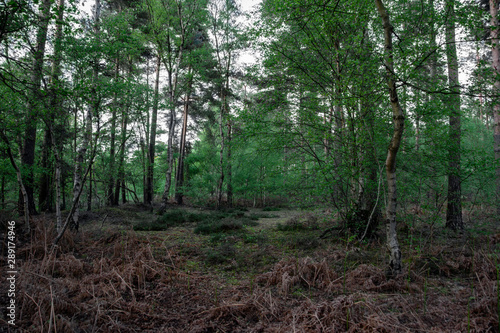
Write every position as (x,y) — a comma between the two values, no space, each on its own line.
(148,199)
(395,263)
(454,211)
(33,108)
(495,55)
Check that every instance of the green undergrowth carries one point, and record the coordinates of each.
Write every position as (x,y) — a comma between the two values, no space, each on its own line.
(271,209)
(207,222)
(227,224)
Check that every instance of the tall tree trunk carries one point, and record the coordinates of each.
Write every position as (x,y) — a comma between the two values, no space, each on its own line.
(32,110)
(495,50)
(170,159)
(55,113)
(148,199)
(173,73)
(454,208)
(229,165)
(221,151)
(112,145)
(120,183)
(121,163)
(395,262)
(179,177)
(89,192)
(79,178)
(44,194)
(57,157)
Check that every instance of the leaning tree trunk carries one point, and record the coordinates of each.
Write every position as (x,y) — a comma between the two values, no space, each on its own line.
(495,54)
(454,208)
(395,263)
(28,150)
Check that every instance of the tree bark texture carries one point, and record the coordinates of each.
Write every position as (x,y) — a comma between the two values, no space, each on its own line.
(395,261)
(495,50)
(454,207)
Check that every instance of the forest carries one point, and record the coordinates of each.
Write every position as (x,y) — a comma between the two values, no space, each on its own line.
(262,166)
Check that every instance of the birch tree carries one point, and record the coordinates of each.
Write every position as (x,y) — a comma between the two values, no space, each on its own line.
(395,259)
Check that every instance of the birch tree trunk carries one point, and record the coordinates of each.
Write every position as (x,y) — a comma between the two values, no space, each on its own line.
(454,207)
(495,54)
(79,179)
(395,262)
(56,109)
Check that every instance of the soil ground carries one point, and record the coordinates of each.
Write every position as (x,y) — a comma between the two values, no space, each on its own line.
(251,270)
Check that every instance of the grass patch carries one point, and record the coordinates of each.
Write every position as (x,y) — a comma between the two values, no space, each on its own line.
(309,222)
(171,218)
(256,216)
(270,209)
(228,224)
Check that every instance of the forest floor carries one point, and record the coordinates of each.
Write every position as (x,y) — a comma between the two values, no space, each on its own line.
(252,270)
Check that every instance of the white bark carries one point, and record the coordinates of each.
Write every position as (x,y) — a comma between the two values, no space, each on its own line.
(395,262)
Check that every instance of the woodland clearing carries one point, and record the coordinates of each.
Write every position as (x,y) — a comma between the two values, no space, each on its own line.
(252,270)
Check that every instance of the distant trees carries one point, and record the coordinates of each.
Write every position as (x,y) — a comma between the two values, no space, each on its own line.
(155,90)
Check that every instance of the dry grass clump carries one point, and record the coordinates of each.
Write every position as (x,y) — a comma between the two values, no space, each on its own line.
(304,271)
(70,294)
(120,282)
